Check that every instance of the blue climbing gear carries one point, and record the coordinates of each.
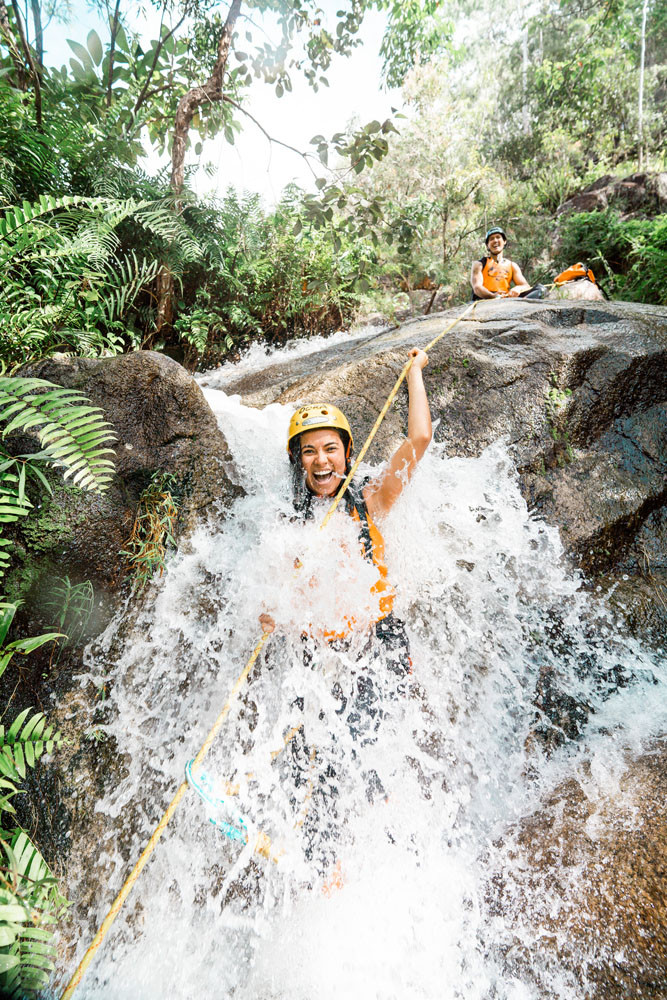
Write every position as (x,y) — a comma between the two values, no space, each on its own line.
(228,820)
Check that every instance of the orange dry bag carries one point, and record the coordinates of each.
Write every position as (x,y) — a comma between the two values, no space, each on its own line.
(573,273)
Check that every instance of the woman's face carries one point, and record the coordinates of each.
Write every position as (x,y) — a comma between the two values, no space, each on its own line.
(323,461)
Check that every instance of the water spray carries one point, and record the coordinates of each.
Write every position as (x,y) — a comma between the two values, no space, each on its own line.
(193,777)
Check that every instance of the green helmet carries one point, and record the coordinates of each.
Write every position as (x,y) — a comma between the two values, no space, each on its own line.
(496,229)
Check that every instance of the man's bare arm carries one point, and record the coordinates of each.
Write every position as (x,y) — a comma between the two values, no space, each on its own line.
(520,283)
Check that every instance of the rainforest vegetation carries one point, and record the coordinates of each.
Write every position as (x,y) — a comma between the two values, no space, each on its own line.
(501,123)
(99,255)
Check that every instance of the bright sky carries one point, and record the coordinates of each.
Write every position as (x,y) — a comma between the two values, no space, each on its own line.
(253,163)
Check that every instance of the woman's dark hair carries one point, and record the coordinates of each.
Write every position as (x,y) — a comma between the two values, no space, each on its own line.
(302,498)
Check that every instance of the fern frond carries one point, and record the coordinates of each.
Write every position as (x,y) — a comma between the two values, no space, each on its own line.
(29,907)
(27,738)
(73,434)
(125,279)
(4,556)
(13,501)
(16,218)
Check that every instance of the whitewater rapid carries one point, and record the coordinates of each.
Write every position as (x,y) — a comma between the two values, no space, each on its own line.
(489,604)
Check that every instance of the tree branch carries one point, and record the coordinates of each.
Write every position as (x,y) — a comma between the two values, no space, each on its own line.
(115,25)
(158,48)
(306,156)
(210,92)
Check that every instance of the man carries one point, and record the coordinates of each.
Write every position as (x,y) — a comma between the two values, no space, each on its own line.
(495,277)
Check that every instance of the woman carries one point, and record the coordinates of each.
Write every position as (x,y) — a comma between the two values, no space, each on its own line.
(320,445)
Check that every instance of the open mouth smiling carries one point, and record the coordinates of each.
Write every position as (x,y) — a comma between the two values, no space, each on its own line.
(324,481)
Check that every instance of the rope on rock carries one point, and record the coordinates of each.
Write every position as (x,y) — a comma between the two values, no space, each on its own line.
(262,845)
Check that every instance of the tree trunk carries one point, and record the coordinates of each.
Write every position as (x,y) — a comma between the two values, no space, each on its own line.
(641,90)
(521,14)
(39,37)
(432,300)
(211,91)
(115,24)
(6,32)
(20,27)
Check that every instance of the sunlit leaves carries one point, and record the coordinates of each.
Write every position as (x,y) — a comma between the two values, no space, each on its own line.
(417,30)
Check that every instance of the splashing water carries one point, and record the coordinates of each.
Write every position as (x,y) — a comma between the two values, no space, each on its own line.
(260,356)
(386,828)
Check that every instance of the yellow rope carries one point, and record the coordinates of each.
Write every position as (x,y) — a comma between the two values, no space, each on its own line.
(383,413)
(263,844)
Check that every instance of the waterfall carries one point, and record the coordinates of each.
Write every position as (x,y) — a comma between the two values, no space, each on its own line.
(412,817)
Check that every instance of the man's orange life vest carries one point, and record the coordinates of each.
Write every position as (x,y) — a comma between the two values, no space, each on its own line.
(496,275)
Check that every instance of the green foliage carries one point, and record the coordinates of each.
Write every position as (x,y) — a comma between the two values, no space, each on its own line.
(73,435)
(24,646)
(416,31)
(30,905)
(71,605)
(596,238)
(25,741)
(629,257)
(581,79)
(266,275)
(646,280)
(152,531)
(66,281)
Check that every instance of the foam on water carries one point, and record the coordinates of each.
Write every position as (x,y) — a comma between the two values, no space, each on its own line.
(490,608)
(260,356)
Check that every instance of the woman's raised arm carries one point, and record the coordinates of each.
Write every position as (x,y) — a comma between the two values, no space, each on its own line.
(381,494)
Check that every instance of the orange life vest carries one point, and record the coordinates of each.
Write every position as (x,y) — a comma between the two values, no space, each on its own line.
(372,548)
(496,275)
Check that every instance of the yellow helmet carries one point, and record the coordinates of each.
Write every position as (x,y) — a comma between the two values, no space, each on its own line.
(316,417)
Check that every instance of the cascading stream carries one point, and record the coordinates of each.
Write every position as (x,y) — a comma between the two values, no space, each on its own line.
(493,616)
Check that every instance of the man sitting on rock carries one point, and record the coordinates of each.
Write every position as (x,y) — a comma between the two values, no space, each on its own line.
(495,277)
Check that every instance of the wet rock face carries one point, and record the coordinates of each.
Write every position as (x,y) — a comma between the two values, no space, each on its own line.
(164,425)
(581,883)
